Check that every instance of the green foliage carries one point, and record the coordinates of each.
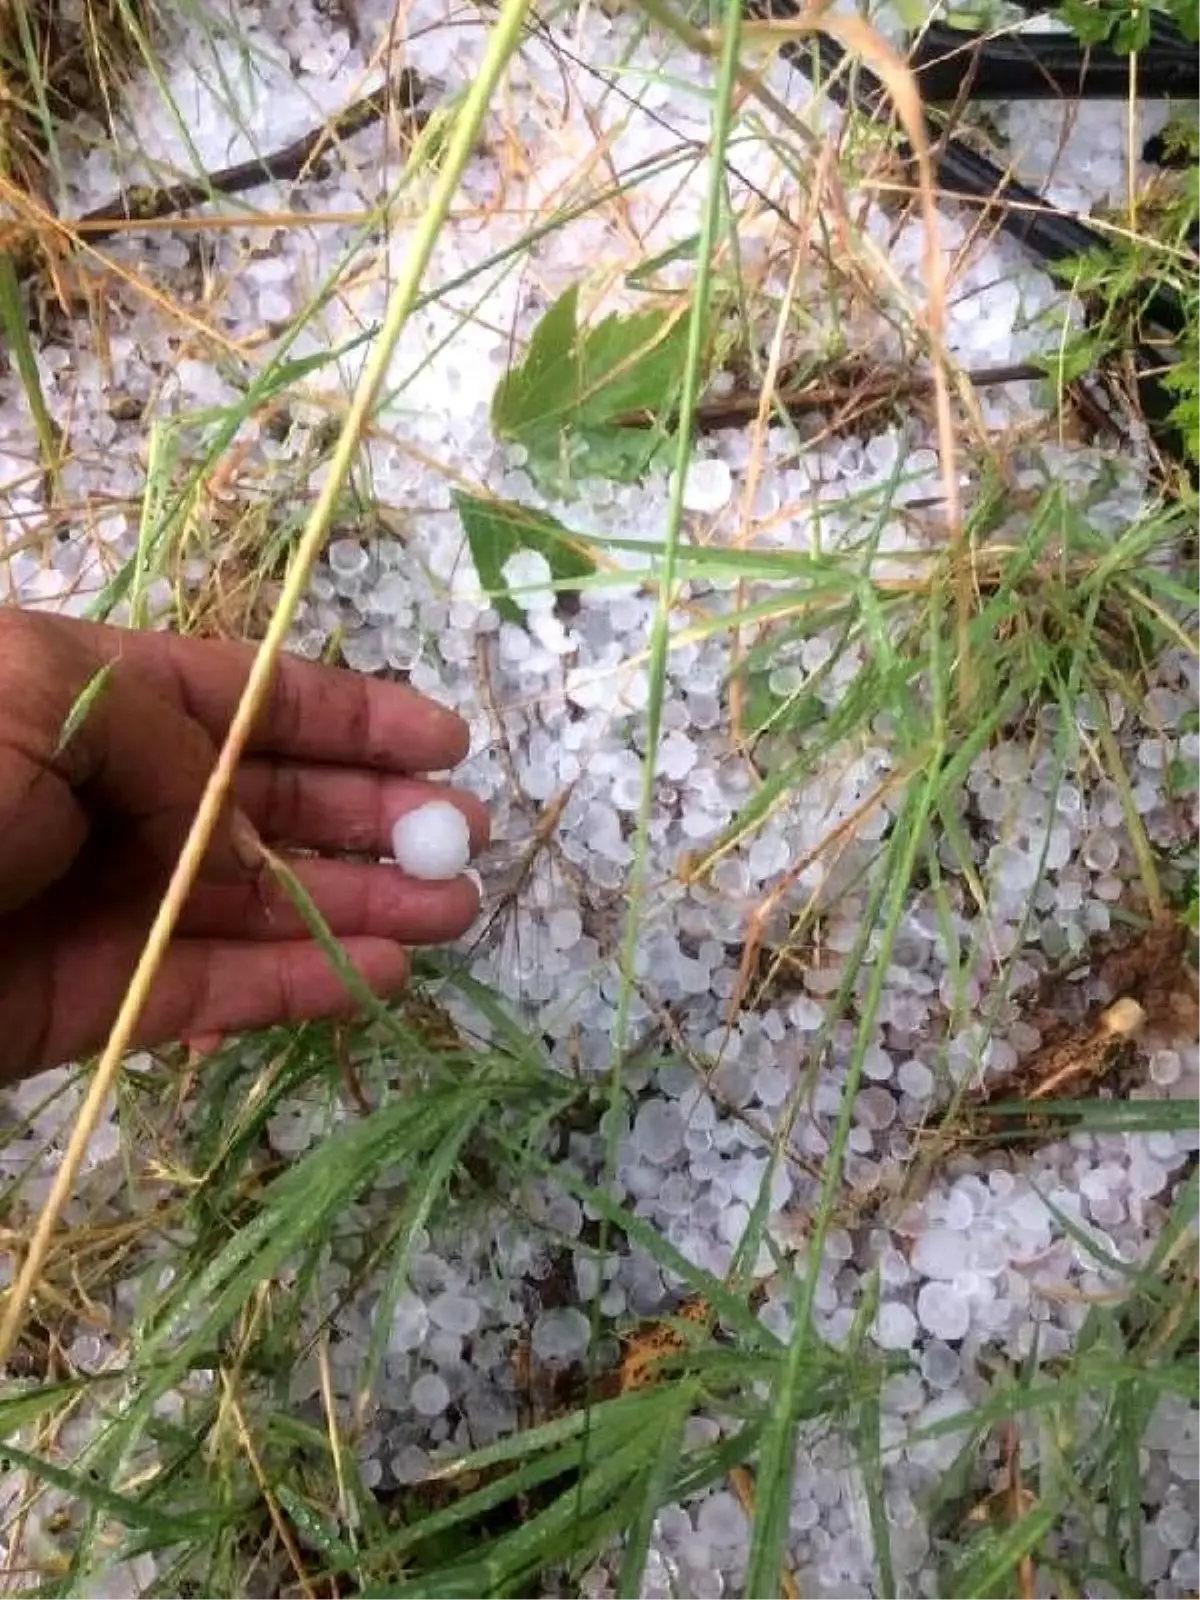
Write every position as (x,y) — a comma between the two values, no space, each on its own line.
(82,705)
(1120,280)
(1082,352)
(497,529)
(1122,26)
(1183,380)
(767,712)
(1181,137)
(576,399)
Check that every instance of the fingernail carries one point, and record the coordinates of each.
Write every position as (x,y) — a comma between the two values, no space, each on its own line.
(398,981)
(247,846)
(204,1044)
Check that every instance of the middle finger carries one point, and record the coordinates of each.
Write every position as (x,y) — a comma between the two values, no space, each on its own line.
(341,808)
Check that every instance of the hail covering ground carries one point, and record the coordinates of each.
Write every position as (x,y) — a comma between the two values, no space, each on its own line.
(984,1262)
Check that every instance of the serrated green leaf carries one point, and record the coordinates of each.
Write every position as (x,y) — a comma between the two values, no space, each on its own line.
(630,364)
(497,529)
(530,399)
(1075,359)
(567,400)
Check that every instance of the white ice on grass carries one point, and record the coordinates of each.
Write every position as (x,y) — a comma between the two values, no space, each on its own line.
(895,1326)
(941,1253)
(528,574)
(943,1310)
(714,1113)
(430,1395)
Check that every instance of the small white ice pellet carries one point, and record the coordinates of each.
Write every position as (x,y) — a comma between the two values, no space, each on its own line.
(708,486)
(433,842)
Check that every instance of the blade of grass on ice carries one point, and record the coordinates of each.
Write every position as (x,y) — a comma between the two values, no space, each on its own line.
(663,1469)
(16,333)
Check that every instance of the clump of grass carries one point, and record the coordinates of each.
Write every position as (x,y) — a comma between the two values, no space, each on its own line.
(57,62)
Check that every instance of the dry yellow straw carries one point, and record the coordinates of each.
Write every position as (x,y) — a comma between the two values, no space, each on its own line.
(859,36)
(501,44)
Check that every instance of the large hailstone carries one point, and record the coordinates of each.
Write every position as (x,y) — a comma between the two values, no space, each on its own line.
(433,842)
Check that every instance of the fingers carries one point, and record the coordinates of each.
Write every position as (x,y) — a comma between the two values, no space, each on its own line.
(148,741)
(80,735)
(355,901)
(208,988)
(312,713)
(42,827)
(61,990)
(205,989)
(204,1044)
(332,808)
(147,762)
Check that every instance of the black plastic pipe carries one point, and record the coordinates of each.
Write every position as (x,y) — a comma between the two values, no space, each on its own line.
(964,175)
(949,62)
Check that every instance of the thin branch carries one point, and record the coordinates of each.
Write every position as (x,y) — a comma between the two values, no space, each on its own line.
(300,158)
(732,410)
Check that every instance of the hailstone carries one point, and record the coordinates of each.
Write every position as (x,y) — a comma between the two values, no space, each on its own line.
(433,842)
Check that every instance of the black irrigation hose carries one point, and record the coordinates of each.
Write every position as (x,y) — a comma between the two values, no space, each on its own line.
(966,176)
(950,62)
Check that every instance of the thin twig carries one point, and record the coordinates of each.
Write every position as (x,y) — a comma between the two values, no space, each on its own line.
(731,410)
(150,203)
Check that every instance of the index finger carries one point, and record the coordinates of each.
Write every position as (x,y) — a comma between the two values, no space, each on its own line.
(311,712)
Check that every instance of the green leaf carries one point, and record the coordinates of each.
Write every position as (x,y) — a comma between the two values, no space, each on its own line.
(169,1526)
(571,400)
(82,705)
(630,364)
(683,250)
(624,455)
(316,1529)
(535,395)
(1076,358)
(497,529)
(1181,137)
(20,1410)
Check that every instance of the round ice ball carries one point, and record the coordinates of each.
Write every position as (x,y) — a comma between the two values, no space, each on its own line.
(433,842)
(707,486)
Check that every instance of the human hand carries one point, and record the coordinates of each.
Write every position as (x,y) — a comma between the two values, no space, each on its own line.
(91,825)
